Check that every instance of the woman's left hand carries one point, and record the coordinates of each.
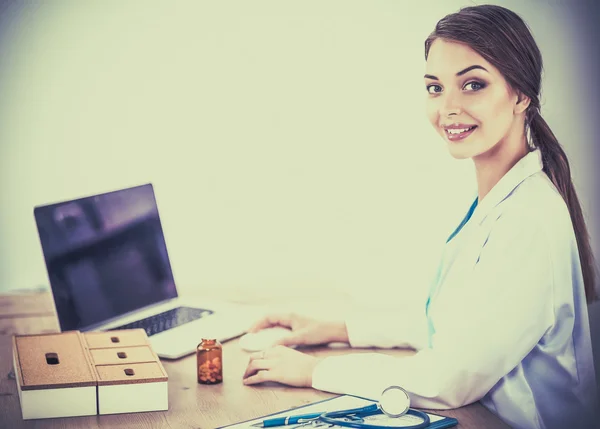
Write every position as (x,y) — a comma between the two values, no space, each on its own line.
(282,365)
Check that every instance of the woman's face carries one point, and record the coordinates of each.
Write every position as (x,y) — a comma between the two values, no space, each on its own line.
(468,102)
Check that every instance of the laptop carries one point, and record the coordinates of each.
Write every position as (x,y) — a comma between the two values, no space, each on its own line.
(108,268)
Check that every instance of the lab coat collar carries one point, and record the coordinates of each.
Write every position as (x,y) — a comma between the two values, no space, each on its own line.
(525,167)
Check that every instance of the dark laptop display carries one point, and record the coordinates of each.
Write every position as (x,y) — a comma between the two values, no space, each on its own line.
(105,255)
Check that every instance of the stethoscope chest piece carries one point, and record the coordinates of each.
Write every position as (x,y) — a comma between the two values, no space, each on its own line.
(394,403)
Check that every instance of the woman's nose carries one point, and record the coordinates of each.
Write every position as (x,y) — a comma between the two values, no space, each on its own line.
(450,105)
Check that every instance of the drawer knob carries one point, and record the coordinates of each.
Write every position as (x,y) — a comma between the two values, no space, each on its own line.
(52,359)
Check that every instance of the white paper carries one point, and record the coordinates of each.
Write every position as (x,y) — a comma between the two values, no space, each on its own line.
(343,402)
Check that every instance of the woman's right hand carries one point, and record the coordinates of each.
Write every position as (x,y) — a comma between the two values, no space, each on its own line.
(304,330)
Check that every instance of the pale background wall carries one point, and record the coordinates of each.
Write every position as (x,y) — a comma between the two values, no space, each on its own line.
(287,141)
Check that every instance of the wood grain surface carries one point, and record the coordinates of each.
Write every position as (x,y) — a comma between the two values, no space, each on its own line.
(191,405)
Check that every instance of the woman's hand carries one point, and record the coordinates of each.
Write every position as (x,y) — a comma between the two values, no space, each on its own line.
(304,330)
(282,365)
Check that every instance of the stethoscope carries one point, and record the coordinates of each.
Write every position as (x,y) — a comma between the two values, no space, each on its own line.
(394,402)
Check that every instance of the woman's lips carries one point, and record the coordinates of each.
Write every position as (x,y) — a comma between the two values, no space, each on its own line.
(459,133)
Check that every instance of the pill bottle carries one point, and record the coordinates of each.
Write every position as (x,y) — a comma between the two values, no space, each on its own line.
(209,361)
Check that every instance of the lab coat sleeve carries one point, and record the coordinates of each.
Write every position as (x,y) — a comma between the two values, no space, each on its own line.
(482,331)
(405,327)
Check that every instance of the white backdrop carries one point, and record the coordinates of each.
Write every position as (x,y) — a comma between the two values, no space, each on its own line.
(287,141)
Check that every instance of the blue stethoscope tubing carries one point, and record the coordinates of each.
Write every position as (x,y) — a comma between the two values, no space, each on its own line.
(371,410)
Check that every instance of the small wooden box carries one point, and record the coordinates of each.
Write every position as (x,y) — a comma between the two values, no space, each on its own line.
(54,376)
(130,375)
(74,374)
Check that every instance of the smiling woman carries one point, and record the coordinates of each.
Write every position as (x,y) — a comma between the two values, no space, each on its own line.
(493,96)
(506,320)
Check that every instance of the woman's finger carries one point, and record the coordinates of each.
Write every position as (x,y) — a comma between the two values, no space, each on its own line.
(259,377)
(257,365)
(291,340)
(277,319)
(257,355)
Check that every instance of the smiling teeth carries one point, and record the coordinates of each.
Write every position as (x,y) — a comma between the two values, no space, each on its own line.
(458,131)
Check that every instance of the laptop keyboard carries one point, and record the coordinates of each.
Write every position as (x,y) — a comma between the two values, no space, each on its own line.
(167,320)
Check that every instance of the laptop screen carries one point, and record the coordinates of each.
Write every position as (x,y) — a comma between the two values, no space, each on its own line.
(105,255)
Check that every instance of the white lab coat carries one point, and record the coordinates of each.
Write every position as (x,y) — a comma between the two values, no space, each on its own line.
(507,321)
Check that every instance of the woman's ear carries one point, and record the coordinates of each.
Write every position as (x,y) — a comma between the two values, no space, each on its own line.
(522,103)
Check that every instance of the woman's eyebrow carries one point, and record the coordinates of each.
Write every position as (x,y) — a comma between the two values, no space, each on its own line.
(460,73)
(468,69)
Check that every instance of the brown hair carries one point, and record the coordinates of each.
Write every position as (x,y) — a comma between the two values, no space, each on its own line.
(505,41)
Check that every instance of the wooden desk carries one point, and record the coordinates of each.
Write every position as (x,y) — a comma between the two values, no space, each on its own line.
(190,405)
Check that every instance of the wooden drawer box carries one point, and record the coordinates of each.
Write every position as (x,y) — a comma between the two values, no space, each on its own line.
(78,374)
(129,374)
(54,376)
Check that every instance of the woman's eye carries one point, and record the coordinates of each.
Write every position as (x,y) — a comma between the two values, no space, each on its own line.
(475,86)
(432,89)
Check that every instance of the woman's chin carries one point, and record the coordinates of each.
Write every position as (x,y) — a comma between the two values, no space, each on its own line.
(459,153)
(464,150)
